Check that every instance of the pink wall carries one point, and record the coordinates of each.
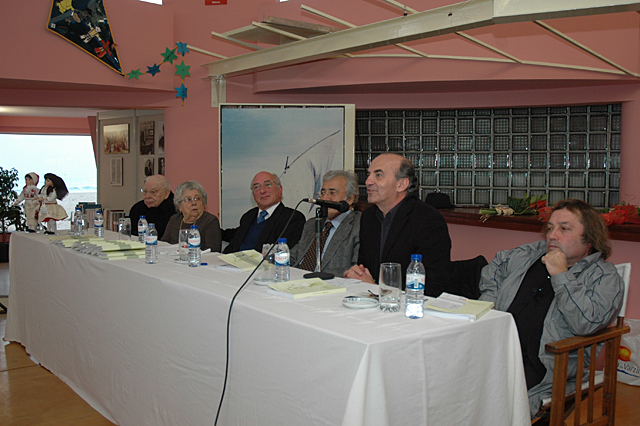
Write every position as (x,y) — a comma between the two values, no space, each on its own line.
(61,75)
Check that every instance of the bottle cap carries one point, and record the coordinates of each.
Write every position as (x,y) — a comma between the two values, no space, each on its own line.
(416,258)
(282,240)
(152,225)
(143,217)
(194,226)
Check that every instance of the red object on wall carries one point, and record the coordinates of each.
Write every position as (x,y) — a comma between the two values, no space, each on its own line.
(214,2)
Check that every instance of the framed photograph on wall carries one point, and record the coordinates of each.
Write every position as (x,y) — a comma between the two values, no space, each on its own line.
(148,167)
(160,136)
(116,139)
(147,139)
(161,166)
(116,171)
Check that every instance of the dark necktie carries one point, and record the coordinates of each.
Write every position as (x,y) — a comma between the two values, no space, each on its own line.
(309,261)
(263,215)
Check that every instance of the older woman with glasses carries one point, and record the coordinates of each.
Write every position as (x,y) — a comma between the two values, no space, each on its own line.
(191,200)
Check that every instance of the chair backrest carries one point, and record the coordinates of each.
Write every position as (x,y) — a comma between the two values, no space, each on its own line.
(624,269)
(465,276)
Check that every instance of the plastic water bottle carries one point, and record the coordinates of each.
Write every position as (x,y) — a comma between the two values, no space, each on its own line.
(282,260)
(142,228)
(98,224)
(414,293)
(194,246)
(81,224)
(74,221)
(151,244)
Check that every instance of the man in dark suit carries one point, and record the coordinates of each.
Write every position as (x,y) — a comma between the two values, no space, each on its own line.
(157,205)
(263,224)
(340,239)
(399,225)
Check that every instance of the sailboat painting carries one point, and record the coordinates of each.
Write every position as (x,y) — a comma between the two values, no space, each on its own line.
(299,145)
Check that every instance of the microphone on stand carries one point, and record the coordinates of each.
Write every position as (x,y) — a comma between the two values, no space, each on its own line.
(341,206)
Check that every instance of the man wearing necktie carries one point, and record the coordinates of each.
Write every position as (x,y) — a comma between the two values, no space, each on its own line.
(264,223)
(340,238)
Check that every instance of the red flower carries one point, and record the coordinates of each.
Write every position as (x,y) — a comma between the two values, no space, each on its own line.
(538,205)
(608,220)
(544,213)
(629,212)
(617,216)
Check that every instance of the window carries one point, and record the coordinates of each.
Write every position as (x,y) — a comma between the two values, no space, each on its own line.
(483,156)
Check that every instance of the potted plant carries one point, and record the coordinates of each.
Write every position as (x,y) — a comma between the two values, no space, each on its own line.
(9,215)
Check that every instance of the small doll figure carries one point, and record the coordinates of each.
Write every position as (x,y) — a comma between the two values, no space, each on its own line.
(50,211)
(29,195)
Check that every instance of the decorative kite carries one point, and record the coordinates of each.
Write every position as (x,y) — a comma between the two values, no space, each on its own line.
(85,24)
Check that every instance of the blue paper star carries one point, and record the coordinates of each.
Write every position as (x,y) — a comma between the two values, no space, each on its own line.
(181,92)
(155,69)
(182,47)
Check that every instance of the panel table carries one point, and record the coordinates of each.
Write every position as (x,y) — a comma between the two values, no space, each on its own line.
(145,344)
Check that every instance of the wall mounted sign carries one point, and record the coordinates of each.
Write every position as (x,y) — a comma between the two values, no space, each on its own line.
(85,24)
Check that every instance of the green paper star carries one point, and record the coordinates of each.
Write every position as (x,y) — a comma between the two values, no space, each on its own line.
(169,55)
(134,74)
(182,70)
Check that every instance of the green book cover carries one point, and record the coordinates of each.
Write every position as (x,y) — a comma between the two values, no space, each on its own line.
(452,306)
(304,288)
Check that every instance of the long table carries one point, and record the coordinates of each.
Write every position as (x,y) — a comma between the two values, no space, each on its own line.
(145,345)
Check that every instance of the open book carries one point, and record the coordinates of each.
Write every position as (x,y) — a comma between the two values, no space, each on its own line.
(452,306)
(304,288)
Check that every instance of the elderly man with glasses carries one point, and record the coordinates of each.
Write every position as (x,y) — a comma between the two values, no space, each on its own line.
(340,237)
(264,223)
(157,205)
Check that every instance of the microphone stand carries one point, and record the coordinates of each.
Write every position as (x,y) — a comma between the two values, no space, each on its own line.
(321,213)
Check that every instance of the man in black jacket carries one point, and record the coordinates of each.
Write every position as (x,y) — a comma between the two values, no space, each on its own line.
(263,224)
(399,225)
(157,205)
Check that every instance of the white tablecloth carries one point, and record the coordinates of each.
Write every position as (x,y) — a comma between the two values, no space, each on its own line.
(145,345)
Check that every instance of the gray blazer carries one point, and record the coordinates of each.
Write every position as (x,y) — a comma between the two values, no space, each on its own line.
(342,251)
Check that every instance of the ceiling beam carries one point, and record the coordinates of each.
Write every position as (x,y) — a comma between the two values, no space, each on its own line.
(475,13)
(444,20)
(585,48)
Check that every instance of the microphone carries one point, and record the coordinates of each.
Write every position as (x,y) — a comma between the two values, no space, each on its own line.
(341,206)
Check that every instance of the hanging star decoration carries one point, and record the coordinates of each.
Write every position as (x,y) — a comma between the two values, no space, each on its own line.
(169,56)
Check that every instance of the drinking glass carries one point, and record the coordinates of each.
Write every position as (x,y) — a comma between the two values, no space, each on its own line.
(390,284)
(124,228)
(183,244)
(268,268)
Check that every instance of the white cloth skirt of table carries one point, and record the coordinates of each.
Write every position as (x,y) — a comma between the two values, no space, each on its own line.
(145,345)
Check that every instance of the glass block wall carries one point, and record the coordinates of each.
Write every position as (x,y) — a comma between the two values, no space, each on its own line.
(482,156)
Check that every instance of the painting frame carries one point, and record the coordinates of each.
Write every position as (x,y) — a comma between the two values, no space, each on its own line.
(116,138)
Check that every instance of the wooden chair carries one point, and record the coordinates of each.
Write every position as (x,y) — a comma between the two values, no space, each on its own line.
(557,408)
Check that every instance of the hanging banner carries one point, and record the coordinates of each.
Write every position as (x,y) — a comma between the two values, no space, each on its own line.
(85,24)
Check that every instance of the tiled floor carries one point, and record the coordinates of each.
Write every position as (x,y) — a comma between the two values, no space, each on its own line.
(31,395)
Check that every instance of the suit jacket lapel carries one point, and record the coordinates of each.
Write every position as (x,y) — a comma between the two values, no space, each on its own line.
(339,236)
(399,221)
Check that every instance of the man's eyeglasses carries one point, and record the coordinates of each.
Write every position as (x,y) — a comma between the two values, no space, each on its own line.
(331,193)
(267,185)
(152,192)
(189,199)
